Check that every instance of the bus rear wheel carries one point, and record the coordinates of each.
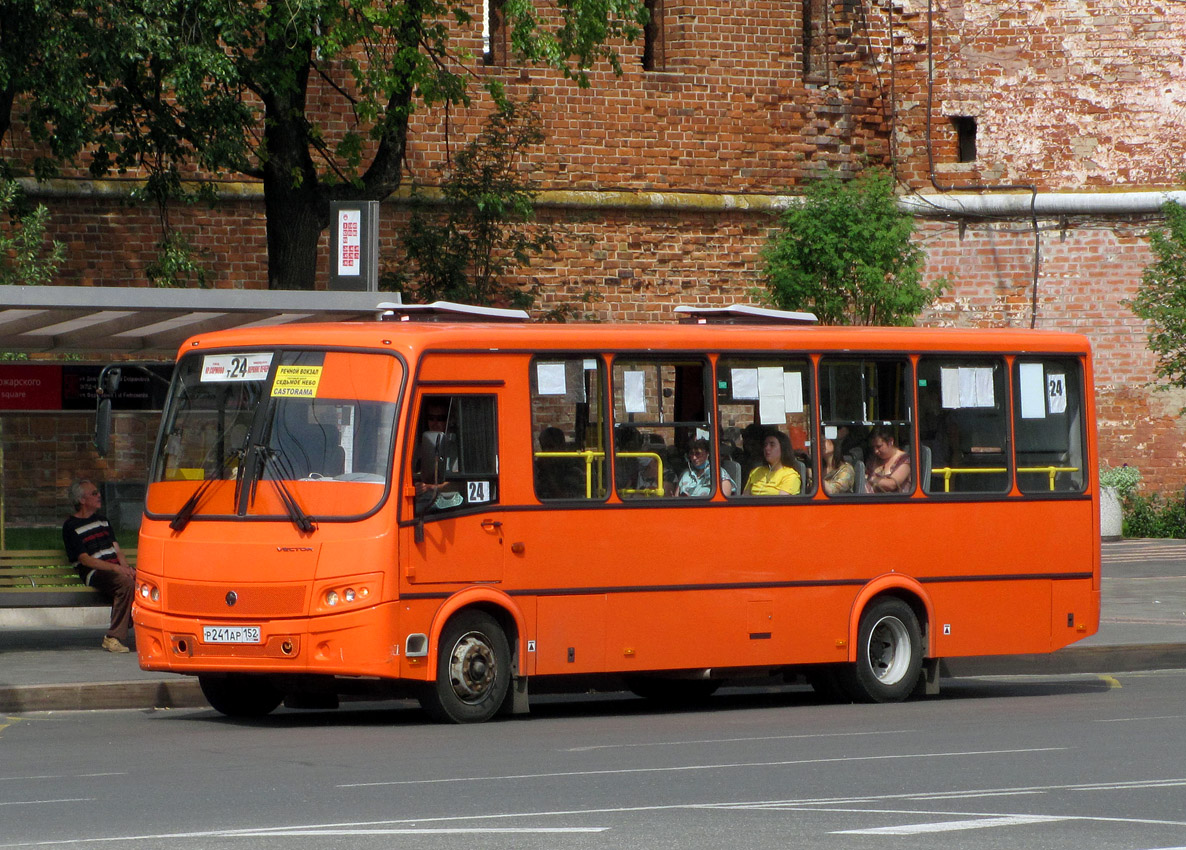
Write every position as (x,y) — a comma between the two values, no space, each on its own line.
(889,653)
(240,695)
(473,670)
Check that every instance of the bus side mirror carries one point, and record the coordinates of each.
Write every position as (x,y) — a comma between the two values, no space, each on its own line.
(103,427)
(108,384)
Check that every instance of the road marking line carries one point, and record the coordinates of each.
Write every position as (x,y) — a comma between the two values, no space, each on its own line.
(298,832)
(60,776)
(736,740)
(952,825)
(47,802)
(692,767)
(1131,719)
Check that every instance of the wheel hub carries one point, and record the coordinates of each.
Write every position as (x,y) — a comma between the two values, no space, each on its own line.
(472,667)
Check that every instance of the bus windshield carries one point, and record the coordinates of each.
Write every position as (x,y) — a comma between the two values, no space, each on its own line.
(318,425)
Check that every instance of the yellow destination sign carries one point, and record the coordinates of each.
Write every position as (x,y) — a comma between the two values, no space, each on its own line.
(296,381)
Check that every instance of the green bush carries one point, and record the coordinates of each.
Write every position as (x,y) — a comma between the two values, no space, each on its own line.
(1153,516)
(1123,479)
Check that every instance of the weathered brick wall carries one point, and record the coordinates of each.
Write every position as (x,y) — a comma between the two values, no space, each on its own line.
(1089,94)
(43,453)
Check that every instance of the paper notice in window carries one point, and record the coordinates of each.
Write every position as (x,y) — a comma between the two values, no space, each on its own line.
(635,391)
(549,378)
(792,389)
(976,387)
(296,382)
(1056,393)
(966,386)
(1032,391)
(772,408)
(745,384)
(949,387)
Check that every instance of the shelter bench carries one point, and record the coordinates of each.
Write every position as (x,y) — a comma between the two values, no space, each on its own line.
(44,578)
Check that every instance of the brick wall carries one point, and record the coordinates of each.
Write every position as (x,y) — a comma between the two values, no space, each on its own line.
(43,453)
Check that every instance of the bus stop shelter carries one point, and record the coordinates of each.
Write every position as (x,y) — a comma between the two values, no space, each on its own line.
(68,329)
(150,324)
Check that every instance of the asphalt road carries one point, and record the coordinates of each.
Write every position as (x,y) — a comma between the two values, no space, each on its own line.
(1070,762)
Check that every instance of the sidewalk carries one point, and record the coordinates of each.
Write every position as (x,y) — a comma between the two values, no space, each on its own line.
(50,659)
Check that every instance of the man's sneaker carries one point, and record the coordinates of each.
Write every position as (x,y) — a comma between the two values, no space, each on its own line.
(113,645)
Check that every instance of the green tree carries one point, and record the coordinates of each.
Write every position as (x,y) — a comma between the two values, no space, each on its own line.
(1161,296)
(46,64)
(846,254)
(24,258)
(487,228)
(226,86)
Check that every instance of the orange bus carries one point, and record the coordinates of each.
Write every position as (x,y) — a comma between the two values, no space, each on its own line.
(457,510)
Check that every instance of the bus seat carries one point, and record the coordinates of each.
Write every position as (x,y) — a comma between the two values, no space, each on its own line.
(801,468)
(924,468)
(858,468)
(734,469)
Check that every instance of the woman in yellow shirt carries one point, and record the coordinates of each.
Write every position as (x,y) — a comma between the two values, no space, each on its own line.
(777,476)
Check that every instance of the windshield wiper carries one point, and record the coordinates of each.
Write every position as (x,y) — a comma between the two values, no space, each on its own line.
(299,518)
(191,505)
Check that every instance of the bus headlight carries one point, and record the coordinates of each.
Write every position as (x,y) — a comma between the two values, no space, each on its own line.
(147,592)
(344,593)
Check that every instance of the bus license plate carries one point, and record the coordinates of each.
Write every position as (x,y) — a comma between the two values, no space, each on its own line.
(230,634)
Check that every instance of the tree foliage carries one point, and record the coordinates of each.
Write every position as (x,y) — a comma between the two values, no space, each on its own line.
(24,256)
(846,254)
(262,89)
(47,65)
(1161,296)
(488,227)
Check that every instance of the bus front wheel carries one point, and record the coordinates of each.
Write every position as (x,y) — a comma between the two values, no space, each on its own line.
(889,653)
(473,670)
(240,695)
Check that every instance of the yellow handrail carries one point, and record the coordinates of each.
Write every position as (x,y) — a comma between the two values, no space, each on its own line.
(590,455)
(948,471)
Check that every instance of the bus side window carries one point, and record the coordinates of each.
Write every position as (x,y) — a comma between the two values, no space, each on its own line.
(1048,424)
(865,402)
(455,456)
(963,425)
(568,427)
(760,397)
(660,410)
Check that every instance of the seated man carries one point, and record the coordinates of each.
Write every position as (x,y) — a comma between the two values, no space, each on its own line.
(91,547)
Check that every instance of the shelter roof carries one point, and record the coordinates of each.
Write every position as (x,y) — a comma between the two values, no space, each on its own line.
(152,323)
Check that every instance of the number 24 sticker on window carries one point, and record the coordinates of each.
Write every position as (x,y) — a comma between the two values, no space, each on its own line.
(236,367)
(477,491)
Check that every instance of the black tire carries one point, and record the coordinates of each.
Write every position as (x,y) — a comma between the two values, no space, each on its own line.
(889,653)
(672,693)
(473,670)
(240,695)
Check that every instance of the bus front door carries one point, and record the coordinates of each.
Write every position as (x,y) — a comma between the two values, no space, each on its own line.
(457,535)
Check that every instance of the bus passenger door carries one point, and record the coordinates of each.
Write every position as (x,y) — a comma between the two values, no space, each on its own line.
(457,535)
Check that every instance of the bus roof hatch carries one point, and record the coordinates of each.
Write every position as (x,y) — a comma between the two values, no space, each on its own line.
(742,314)
(448,311)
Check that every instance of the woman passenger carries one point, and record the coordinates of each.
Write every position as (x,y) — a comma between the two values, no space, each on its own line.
(777,476)
(839,476)
(890,472)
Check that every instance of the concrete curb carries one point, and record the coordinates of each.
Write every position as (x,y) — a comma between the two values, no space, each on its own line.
(173,693)
(1075,659)
(183,691)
